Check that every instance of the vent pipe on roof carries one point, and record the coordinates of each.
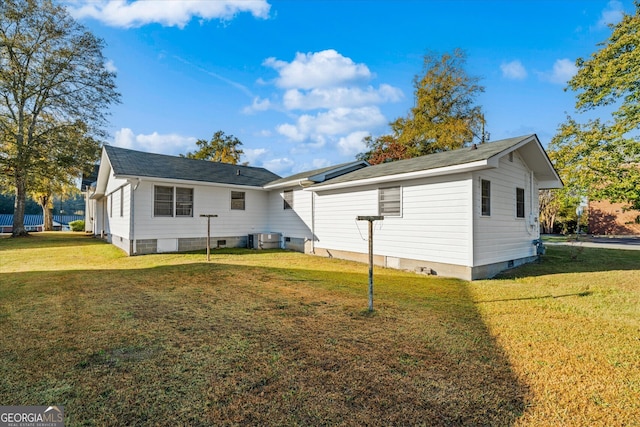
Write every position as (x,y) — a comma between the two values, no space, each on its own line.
(238,172)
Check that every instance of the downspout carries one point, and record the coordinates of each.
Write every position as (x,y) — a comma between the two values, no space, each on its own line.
(132,217)
(313,222)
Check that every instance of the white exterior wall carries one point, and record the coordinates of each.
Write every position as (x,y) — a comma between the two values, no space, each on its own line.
(207,199)
(117,211)
(435,224)
(502,236)
(296,222)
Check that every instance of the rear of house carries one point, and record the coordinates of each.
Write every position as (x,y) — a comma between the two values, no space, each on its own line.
(468,213)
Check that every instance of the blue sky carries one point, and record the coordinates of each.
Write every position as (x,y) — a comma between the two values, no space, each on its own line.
(301,82)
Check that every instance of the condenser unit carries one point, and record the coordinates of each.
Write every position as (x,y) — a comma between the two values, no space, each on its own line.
(264,241)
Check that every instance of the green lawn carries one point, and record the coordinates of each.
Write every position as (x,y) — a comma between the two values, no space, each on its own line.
(281,338)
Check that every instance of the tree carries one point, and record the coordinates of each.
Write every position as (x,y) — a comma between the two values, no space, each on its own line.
(383,149)
(444,116)
(221,148)
(53,82)
(602,157)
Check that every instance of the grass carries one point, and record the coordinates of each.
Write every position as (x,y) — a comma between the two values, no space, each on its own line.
(280,338)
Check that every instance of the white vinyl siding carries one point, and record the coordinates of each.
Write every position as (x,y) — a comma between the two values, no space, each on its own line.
(435,223)
(503,236)
(287,196)
(209,200)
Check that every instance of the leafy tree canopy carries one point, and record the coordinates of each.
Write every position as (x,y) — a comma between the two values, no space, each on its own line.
(601,157)
(444,117)
(221,148)
(54,93)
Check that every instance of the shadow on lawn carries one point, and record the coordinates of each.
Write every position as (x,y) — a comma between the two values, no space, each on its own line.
(221,344)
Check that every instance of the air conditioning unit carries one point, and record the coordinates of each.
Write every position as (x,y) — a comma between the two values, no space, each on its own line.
(264,241)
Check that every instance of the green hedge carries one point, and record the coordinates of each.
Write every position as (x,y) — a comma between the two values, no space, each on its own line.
(77,225)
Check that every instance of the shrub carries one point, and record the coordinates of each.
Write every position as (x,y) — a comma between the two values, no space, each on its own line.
(77,225)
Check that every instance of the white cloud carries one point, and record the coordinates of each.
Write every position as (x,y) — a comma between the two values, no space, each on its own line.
(322,69)
(252,155)
(563,71)
(278,165)
(154,142)
(258,104)
(296,99)
(337,121)
(612,14)
(120,13)
(513,70)
(352,144)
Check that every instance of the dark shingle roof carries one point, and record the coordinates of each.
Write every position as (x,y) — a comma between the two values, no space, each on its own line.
(139,164)
(430,161)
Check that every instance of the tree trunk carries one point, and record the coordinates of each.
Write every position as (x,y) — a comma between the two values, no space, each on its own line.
(47,214)
(19,207)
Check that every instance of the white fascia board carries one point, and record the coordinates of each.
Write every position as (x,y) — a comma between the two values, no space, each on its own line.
(292,183)
(103,176)
(179,182)
(448,170)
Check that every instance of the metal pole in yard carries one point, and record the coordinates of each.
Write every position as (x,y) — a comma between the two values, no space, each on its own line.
(208,216)
(370,220)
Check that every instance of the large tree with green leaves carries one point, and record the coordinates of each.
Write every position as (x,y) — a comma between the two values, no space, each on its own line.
(601,157)
(444,117)
(221,148)
(53,82)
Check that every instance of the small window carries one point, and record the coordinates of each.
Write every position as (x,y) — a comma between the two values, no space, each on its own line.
(389,201)
(486,197)
(288,199)
(519,202)
(184,201)
(237,200)
(163,201)
(121,201)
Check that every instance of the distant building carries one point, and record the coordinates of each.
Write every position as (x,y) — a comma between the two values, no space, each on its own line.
(606,218)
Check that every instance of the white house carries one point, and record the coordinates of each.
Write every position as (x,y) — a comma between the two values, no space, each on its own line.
(468,213)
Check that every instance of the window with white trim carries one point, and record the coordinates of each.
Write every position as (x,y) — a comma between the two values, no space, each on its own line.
(184,201)
(390,201)
(121,201)
(486,197)
(519,202)
(163,201)
(238,200)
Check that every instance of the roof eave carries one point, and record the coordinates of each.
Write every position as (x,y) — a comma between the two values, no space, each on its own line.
(448,170)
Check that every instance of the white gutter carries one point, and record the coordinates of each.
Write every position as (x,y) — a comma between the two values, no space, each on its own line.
(175,181)
(466,167)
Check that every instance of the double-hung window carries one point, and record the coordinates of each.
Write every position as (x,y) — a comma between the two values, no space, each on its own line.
(486,197)
(164,205)
(184,201)
(519,202)
(238,200)
(390,201)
